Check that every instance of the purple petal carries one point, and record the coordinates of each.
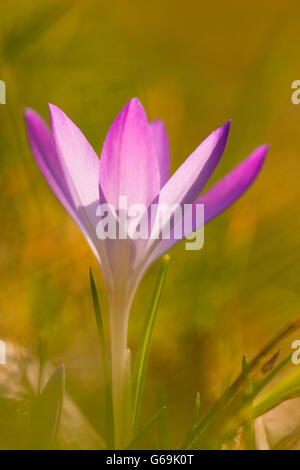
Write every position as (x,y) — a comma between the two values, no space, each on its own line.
(128,164)
(230,188)
(45,154)
(50,163)
(221,195)
(191,177)
(79,161)
(161,143)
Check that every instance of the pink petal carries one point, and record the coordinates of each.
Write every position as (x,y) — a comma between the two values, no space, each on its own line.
(222,194)
(191,177)
(51,165)
(45,154)
(80,164)
(161,143)
(233,185)
(128,164)
(79,161)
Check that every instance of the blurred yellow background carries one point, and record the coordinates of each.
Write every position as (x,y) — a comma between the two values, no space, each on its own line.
(194,64)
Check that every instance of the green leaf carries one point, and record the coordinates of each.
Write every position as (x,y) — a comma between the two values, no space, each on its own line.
(249,424)
(195,415)
(46,411)
(196,410)
(106,366)
(264,382)
(164,424)
(141,362)
(146,428)
(288,387)
(233,403)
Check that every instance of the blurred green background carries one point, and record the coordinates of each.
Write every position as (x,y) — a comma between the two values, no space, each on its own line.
(195,65)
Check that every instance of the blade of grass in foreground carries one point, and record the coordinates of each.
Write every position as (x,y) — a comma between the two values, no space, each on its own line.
(288,387)
(249,424)
(230,394)
(241,410)
(146,428)
(106,367)
(141,362)
(196,412)
(164,423)
(195,415)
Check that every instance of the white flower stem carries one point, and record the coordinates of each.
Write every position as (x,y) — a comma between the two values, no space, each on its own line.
(121,368)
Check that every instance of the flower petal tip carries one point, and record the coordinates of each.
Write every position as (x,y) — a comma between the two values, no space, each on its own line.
(53,109)
(56,113)
(227,125)
(30,114)
(51,106)
(133,110)
(157,123)
(27,111)
(134,103)
(34,124)
(260,155)
(223,131)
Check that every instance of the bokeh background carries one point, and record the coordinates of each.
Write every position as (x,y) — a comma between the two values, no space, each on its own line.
(194,64)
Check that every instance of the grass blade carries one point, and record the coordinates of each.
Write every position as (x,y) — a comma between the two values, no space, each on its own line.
(141,362)
(249,424)
(106,366)
(286,388)
(264,382)
(145,429)
(196,410)
(213,415)
(164,424)
(195,415)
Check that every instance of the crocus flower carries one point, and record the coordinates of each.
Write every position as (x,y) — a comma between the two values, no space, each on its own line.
(134,163)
